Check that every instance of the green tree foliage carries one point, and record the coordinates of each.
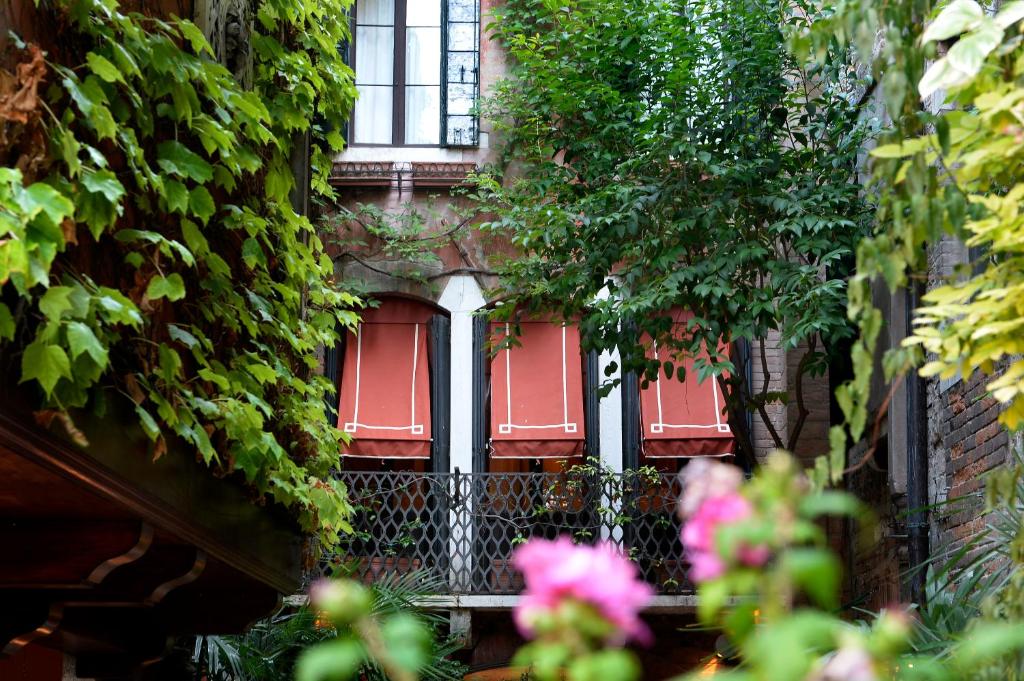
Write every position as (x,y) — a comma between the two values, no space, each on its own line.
(149,253)
(675,155)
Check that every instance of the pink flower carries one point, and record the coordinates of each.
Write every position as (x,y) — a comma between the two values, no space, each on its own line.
(698,536)
(703,479)
(599,576)
(846,664)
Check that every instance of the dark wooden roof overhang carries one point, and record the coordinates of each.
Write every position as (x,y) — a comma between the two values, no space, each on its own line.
(108,555)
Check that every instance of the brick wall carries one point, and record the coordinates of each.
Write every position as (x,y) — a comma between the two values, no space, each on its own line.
(775,359)
(966,441)
(813,438)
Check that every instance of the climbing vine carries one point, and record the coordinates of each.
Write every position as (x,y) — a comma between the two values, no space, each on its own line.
(949,166)
(150,258)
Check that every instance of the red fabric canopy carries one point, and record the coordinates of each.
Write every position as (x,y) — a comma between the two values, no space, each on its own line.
(537,393)
(385,388)
(684,418)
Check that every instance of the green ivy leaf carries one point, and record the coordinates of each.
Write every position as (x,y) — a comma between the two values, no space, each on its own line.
(170,363)
(104,182)
(182,336)
(252,254)
(148,423)
(55,302)
(42,198)
(195,37)
(7,326)
(201,203)
(100,205)
(102,67)
(46,364)
(176,195)
(171,287)
(175,158)
(82,339)
(194,238)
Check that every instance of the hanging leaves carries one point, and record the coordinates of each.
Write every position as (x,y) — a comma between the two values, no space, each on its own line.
(162,156)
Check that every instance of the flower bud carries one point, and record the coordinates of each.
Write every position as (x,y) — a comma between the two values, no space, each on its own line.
(343,601)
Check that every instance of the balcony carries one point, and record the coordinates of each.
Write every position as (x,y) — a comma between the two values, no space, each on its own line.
(461,529)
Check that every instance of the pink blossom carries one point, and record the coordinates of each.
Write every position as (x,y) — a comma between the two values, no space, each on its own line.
(706,478)
(849,663)
(599,576)
(698,536)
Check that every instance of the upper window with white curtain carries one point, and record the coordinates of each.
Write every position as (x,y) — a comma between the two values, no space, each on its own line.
(417,66)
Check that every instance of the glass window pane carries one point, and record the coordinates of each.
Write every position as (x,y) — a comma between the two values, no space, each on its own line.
(461,130)
(371,119)
(423,13)
(422,115)
(462,37)
(461,99)
(462,67)
(375,12)
(462,10)
(423,56)
(375,55)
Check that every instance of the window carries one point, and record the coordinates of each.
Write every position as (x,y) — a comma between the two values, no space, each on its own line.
(417,66)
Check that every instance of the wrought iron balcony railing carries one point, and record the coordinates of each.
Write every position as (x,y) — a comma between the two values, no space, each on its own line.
(461,529)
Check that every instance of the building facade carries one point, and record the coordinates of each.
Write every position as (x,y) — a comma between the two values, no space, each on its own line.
(462,448)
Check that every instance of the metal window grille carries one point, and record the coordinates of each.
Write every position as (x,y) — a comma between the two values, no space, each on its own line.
(460,45)
(462,528)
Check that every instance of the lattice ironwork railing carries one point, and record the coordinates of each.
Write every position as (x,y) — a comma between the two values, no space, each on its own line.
(461,529)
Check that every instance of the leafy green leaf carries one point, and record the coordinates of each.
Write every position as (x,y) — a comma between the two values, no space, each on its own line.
(46,364)
(148,423)
(334,661)
(817,571)
(174,157)
(955,18)
(7,326)
(102,67)
(55,302)
(176,195)
(201,203)
(82,339)
(104,182)
(171,287)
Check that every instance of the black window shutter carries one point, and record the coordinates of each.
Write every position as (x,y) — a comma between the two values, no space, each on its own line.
(332,371)
(440,392)
(592,407)
(480,388)
(630,390)
(460,73)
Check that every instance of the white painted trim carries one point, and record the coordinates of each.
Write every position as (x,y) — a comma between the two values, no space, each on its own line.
(461,298)
(673,603)
(677,603)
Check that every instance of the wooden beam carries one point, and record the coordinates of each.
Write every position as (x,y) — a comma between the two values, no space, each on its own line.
(68,554)
(175,494)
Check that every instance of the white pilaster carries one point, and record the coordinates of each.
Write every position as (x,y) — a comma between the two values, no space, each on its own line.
(610,413)
(461,296)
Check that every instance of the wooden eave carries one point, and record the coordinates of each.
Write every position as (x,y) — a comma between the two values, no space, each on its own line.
(109,555)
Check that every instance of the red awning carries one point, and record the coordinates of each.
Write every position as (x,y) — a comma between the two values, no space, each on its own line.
(385,388)
(537,393)
(684,418)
